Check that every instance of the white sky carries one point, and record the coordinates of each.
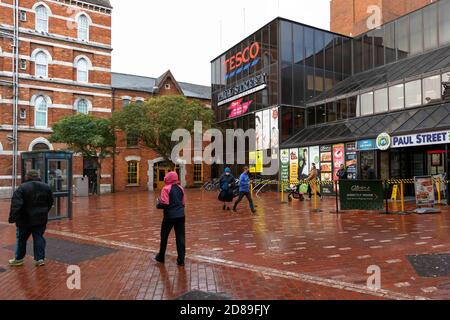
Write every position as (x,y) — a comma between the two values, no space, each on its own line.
(150,37)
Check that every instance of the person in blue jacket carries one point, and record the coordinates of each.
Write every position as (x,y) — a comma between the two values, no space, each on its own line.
(244,191)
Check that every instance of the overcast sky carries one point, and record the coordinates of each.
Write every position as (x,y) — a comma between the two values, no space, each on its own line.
(150,37)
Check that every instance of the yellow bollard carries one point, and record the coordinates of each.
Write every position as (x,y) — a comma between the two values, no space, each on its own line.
(251,189)
(282,191)
(315,197)
(402,192)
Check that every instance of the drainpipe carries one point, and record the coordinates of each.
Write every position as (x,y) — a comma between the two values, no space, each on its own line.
(15,136)
(113,180)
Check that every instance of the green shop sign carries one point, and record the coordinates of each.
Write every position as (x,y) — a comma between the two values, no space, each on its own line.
(361,195)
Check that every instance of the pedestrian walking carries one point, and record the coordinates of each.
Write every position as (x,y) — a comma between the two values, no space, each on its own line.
(226,183)
(244,191)
(30,206)
(342,173)
(312,178)
(172,201)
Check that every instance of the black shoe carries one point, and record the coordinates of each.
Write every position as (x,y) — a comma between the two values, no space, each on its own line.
(253,211)
(234,210)
(224,207)
(158,259)
(180,264)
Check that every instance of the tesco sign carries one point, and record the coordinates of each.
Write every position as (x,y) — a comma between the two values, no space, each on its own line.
(243,60)
(421,139)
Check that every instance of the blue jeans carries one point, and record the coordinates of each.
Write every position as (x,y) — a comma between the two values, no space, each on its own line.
(22,235)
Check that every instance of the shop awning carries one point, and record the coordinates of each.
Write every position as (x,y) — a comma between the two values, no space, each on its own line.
(425,119)
(403,69)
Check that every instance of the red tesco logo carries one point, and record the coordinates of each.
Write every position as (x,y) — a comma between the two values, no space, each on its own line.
(242,57)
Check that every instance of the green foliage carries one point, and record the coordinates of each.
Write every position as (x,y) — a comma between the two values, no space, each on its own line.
(155,120)
(90,136)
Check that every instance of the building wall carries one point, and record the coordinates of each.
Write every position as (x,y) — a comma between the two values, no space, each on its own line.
(349,17)
(142,153)
(60,86)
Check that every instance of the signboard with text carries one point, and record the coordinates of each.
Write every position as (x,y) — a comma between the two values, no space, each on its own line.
(361,195)
(424,188)
(421,139)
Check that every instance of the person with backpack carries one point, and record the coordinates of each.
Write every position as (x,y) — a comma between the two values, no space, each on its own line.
(30,206)
(172,201)
(226,183)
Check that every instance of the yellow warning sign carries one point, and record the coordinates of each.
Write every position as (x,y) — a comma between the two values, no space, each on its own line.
(394,193)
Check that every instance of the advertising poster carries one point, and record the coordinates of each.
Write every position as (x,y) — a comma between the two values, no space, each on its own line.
(275,134)
(338,158)
(285,160)
(424,188)
(361,195)
(259,162)
(259,130)
(314,157)
(326,169)
(266,130)
(293,173)
(351,160)
(252,162)
(303,163)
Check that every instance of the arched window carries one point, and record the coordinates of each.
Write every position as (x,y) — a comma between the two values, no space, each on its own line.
(41,65)
(82,70)
(41,19)
(41,147)
(83,28)
(133,173)
(40,112)
(82,106)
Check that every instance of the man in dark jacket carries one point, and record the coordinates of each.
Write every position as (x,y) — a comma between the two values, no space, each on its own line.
(342,173)
(172,201)
(30,206)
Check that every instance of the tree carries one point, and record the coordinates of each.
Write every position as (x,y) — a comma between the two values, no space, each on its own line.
(91,137)
(155,120)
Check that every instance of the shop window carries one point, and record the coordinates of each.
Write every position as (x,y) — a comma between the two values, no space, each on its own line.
(430,19)
(381,101)
(352,107)
(413,94)
(342,109)
(331,112)
(444,22)
(396,97)
(198,173)
(432,89)
(133,173)
(366,104)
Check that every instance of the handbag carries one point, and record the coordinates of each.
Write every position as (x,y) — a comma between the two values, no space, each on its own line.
(304,188)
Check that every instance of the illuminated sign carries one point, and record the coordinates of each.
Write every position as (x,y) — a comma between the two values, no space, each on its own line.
(242,61)
(242,89)
(421,139)
(238,108)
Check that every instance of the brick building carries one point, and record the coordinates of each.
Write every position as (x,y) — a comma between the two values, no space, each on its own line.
(138,167)
(65,67)
(350,17)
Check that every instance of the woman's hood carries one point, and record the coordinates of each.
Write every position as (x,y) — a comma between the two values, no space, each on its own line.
(171,178)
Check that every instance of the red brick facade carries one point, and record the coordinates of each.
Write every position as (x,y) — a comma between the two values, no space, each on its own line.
(350,17)
(61,87)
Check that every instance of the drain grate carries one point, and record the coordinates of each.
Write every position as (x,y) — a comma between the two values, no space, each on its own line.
(201,295)
(69,252)
(431,265)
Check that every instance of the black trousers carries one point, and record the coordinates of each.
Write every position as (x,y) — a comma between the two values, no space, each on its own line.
(249,198)
(180,235)
(310,191)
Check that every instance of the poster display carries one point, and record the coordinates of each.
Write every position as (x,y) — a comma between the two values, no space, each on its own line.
(326,169)
(424,188)
(338,159)
(252,162)
(259,161)
(351,160)
(303,163)
(266,130)
(314,157)
(293,172)
(259,130)
(285,160)
(275,133)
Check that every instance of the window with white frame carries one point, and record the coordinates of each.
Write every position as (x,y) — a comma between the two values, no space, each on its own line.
(413,94)
(381,100)
(432,89)
(41,62)
(82,70)
(126,101)
(41,19)
(83,28)
(40,112)
(396,97)
(82,106)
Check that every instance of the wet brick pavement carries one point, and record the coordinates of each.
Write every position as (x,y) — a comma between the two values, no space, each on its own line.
(284,252)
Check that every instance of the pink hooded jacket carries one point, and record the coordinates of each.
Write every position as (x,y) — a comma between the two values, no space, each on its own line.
(170,180)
